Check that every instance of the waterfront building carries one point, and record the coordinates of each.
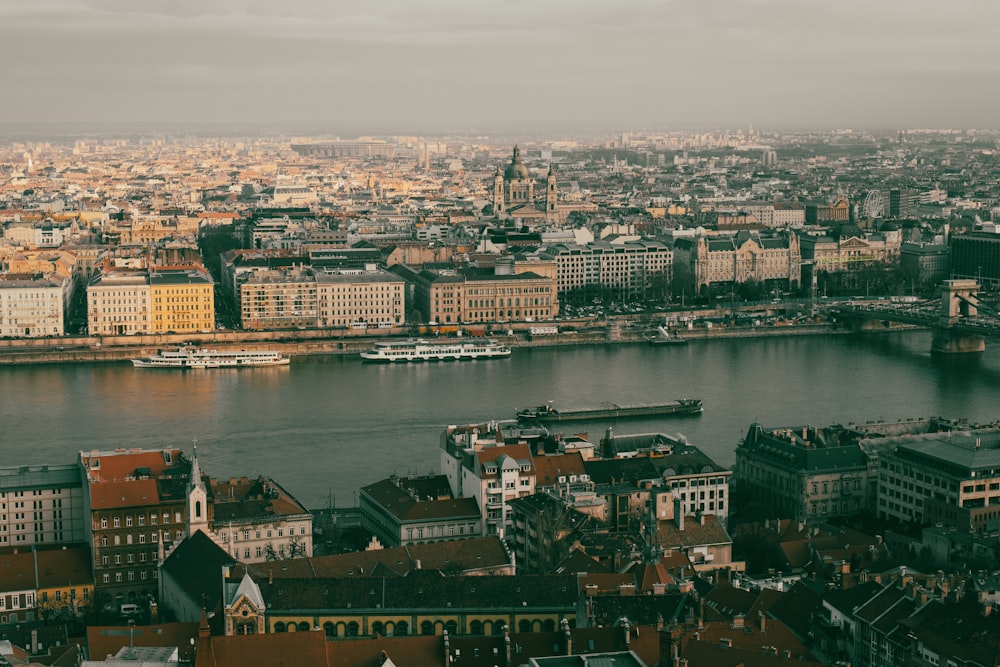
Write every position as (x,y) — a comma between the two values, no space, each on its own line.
(976,256)
(421,603)
(182,299)
(373,296)
(773,260)
(33,305)
(118,302)
(491,463)
(128,296)
(277,299)
(406,510)
(258,520)
(42,504)
(699,484)
(804,472)
(847,250)
(138,509)
(632,269)
(298,296)
(923,478)
(485,295)
(925,264)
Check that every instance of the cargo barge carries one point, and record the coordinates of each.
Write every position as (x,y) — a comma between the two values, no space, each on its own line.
(548,413)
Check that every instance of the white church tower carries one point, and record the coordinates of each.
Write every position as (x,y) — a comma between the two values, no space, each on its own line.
(197,499)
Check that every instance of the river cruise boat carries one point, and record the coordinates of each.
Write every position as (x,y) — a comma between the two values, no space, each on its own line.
(190,357)
(418,349)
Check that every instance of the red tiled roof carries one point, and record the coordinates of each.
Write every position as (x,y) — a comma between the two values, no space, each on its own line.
(302,649)
(123,463)
(548,469)
(133,493)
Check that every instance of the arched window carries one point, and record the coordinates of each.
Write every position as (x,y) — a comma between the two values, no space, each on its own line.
(451,627)
(427,628)
(402,629)
(279,627)
(330,629)
(524,625)
(548,625)
(352,629)
(197,509)
(476,627)
(378,628)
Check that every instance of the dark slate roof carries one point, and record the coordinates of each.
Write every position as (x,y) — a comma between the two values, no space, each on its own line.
(421,589)
(795,608)
(196,565)
(619,471)
(405,507)
(641,609)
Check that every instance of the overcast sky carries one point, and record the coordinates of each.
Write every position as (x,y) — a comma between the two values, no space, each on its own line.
(506,64)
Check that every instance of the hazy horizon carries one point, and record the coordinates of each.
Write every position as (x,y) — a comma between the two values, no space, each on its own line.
(451,65)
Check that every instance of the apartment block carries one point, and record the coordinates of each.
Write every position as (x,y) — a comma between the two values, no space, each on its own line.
(42,504)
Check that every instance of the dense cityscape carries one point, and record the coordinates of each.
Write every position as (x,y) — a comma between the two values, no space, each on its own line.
(871,543)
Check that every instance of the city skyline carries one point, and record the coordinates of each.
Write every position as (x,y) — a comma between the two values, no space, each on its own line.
(513,66)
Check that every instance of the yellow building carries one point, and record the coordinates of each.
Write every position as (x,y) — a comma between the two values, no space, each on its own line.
(182,299)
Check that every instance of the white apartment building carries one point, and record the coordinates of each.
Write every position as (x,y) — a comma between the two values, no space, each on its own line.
(492,463)
(118,303)
(31,307)
(372,296)
(257,520)
(631,268)
(42,504)
(957,469)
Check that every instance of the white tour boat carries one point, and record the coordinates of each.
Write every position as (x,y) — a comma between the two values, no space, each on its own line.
(190,357)
(418,349)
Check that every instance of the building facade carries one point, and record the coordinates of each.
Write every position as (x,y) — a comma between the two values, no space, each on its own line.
(181,300)
(42,504)
(33,305)
(804,472)
(771,260)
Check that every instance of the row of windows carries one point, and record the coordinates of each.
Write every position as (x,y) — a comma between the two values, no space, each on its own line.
(129,575)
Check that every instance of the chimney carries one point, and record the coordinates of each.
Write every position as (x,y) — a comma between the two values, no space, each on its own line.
(987,609)
(678,514)
(506,645)
(627,627)
(726,642)
(567,635)
(270,577)
(447,648)
(763,622)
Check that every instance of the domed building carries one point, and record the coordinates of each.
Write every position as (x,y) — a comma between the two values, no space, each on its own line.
(514,193)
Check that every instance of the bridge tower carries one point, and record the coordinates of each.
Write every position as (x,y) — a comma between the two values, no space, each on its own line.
(958,300)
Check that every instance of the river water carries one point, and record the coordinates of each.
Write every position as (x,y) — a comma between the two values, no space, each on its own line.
(324,426)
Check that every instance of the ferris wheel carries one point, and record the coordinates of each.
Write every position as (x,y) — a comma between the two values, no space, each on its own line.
(874,205)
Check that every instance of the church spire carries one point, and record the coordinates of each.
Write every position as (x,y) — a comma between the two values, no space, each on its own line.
(197,498)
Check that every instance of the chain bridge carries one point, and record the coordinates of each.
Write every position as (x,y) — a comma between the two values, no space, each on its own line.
(959,321)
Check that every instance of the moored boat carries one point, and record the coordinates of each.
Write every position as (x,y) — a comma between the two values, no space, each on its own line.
(190,357)
(418,349)
(665,336)
(548,413)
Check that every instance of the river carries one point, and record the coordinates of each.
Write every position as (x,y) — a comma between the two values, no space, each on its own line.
(324,426)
